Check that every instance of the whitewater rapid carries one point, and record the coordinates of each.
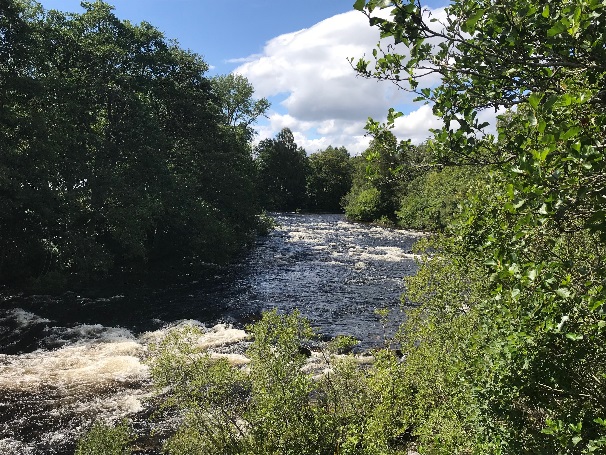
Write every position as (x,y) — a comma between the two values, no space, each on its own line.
(70,360)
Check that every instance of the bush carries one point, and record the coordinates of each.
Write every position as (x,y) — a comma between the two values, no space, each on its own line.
(364,205)
(103,439)
(432,199)
(278,407)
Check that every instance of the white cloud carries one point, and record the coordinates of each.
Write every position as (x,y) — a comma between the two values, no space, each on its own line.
(490,116)
(323,101)
(250,58)
(416,125)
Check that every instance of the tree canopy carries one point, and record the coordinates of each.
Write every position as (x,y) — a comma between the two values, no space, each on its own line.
(282,172)
(329,180)
(115,156)
(235,96)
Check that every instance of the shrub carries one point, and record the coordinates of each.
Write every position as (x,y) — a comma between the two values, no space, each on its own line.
(364,205)
(276,406)
(103,439)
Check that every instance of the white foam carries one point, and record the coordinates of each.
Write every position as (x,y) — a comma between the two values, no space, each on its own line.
(82,367)
(119,405)
(25,318)
(217,336)
(221,335)
(14,447)
(233,359)
(85,333)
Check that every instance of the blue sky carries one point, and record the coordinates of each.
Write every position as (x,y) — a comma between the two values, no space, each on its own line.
(294,53)
(220,30)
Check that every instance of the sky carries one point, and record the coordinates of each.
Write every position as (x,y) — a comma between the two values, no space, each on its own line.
(295,54)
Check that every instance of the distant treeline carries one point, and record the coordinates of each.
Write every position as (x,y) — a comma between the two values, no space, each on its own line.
(392,182)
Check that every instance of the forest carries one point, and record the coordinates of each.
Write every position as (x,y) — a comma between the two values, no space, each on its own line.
(120,157)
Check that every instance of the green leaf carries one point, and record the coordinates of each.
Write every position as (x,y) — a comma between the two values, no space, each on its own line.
(473,19)
(515,293)
(570,133)
(359,5)
(574,336)
(532,274)
(535,99)
(559,27)
(563,292)
(546,11)
(566,99)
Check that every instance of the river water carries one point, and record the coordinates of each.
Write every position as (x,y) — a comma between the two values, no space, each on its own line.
(69,360)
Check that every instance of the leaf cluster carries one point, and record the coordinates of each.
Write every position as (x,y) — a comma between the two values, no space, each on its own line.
(275,405)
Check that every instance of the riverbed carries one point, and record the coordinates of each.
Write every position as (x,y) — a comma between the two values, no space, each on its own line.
(68,360)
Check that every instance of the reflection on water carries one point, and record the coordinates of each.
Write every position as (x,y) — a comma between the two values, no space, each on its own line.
(67,361)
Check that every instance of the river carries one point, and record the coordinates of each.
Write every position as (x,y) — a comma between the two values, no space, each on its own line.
(66,361)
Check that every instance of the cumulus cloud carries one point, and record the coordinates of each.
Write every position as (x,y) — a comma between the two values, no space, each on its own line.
(416,125)
(320,97)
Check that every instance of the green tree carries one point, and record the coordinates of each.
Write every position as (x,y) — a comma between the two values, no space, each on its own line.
(329,179)
(432,199)
(534,236)
(382,176)
(373,194)
(24,192)
(282,172)
(121,161)
(276,405)
(235,98)
(103,439)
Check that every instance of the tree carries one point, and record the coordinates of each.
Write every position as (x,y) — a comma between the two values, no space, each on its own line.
(24,191)
(432,199)
(282,172)
(329,179)
(235,98)
(530,243)
(121,161)
(382,176)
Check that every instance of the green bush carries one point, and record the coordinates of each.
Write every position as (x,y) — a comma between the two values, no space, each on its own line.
(432,199)
(265,224)
(365,205)
(103,439)
(274,405)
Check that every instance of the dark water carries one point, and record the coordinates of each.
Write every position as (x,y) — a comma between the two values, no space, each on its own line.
(65,361)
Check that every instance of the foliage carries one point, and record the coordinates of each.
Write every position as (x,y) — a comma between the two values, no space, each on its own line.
(210,392)
(432,199)
(382,177)
(274,405)
(235,94)
(282,169)
(364,205)
(521,366)
(265,224)
(329,179)
(103,439)
(376,181)
(116,155)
